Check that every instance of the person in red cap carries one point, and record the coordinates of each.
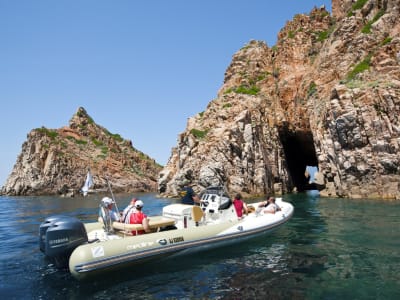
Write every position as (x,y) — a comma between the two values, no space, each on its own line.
(139,217)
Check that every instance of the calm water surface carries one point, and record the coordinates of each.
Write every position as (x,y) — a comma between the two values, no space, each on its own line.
(330,249)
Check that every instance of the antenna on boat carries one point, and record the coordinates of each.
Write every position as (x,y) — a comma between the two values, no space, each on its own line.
(112,195)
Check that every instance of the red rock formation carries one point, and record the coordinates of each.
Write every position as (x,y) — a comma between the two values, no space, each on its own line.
(326,95)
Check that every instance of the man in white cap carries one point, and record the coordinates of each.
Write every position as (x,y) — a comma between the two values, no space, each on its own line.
(108,205)
(139,217)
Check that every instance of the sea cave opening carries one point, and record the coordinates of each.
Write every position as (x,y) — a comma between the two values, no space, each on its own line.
(301,158)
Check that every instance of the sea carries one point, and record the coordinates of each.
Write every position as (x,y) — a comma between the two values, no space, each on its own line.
(330,249)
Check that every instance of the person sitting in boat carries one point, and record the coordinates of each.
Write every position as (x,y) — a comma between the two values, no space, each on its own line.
(268,201)
(126,214)
(138,217)
(240,206)
(189,196)
(107,204)
(270,206)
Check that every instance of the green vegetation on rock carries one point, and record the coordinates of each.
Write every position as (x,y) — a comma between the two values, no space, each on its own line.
(360,67)
(252,90)
(50,133)
(227,105)
(367,27)
(312,89)
(198,133)
(358,5)
(386,41)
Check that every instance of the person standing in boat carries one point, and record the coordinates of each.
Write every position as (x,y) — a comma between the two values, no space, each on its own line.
(130,209)
(138,217)
(106,212)
(240,206)
(189,196)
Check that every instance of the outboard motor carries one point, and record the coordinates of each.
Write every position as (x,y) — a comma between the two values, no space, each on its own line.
(59,236)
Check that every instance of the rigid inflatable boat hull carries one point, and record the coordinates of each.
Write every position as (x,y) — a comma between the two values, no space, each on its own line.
(97,258)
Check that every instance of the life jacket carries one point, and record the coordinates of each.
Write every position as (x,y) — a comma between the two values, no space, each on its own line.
(137,218)
(238,204)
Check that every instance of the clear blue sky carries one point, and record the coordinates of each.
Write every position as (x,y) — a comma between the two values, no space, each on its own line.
(139,68)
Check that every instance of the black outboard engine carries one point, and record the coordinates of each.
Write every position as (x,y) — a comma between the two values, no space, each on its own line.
(59,236)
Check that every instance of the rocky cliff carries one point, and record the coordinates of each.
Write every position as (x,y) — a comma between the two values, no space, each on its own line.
(326,95)
(56,161)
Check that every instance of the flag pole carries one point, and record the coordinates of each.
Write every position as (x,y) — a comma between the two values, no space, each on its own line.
(112,195)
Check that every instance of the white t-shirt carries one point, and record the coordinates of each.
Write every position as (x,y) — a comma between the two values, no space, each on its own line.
(271,208)
(114,216)
(126,214)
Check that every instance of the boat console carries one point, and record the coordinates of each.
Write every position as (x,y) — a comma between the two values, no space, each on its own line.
(214,199)
(183,214)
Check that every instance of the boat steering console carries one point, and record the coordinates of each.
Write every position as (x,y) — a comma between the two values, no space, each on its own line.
(214,199)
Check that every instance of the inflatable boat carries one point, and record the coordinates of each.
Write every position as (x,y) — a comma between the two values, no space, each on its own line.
(94,248)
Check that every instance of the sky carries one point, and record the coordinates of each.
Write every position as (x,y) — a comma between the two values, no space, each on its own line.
(140,68)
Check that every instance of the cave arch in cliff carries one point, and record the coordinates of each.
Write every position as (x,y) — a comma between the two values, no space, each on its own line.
(299,150)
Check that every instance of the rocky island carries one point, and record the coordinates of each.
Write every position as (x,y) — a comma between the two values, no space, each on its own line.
(56,161)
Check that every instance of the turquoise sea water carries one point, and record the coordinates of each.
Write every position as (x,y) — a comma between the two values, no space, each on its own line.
(330,249)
